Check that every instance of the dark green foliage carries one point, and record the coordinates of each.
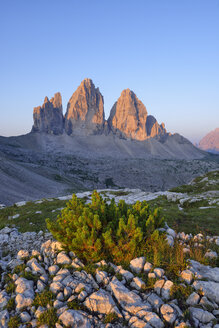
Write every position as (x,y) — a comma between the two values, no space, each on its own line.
(14,322)
(181,293)
(100,230)
(29,276)
(49,318)
(171,259)
(89,268)
(111,318)
(19,268)
(8,278)
(10,287)
(75,305)
(107,268)
(10,305)
(43,299)
(119,276)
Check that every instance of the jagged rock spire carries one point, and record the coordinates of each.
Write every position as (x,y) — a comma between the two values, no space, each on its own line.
(85,115)
(48,118)
(129,118)
(85,110)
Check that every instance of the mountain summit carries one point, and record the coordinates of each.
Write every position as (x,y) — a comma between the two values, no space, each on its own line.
(129,118)
(211,141)
(48,118)
(85,115)
(85,110)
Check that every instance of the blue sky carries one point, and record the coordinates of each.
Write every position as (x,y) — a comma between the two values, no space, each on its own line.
(167,52)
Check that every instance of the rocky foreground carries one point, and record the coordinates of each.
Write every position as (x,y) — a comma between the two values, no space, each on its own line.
(44,286)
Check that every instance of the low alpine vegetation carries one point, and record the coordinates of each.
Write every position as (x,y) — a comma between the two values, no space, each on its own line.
(100,230)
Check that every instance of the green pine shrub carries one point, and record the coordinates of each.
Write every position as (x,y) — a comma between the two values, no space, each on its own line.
(99,230)
(171,259)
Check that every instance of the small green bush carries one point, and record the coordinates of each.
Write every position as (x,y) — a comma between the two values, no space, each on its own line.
(107,268)
(10,287)
(14,322)
(171,259)
(10,305)
(89,268)
(29,276)
(8,278)
(181,293)
(105,231)
(119,276)
(111,318)
(43,299)
(19,268)
(49,318)
(75,305)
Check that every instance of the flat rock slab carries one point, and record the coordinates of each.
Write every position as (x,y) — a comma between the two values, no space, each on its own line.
(102,302)
(129,300)
(72,318)
(204,271)
(210,289)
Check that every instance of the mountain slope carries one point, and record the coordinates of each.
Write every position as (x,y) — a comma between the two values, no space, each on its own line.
(210,142)
(42,165)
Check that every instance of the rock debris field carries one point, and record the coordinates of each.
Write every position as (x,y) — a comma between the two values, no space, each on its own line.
(42,280)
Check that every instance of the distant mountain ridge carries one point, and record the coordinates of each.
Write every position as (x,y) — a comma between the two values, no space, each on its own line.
(85,115)
(211,141)
(81,150)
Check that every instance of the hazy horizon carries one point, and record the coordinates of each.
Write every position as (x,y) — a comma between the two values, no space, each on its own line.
(166,52)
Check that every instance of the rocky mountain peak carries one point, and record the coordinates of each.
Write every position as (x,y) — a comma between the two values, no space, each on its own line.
(85,110)
(211,141)
(48,118)
(85,115)
(129,118)
(57,100)
(46,100)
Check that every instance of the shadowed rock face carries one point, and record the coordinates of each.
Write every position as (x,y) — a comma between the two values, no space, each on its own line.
(153,128)
(129,118)
(85,110)
(48,118)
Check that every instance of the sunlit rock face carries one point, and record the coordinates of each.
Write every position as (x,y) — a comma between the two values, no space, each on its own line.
(211,141)
(48,118)
(85,115)
(85,110)
(129,118)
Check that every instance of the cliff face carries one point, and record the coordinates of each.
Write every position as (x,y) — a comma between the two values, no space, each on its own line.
(85,115)
(129,118)
(211,141)
(153,128)
(85,111)
(48,118)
